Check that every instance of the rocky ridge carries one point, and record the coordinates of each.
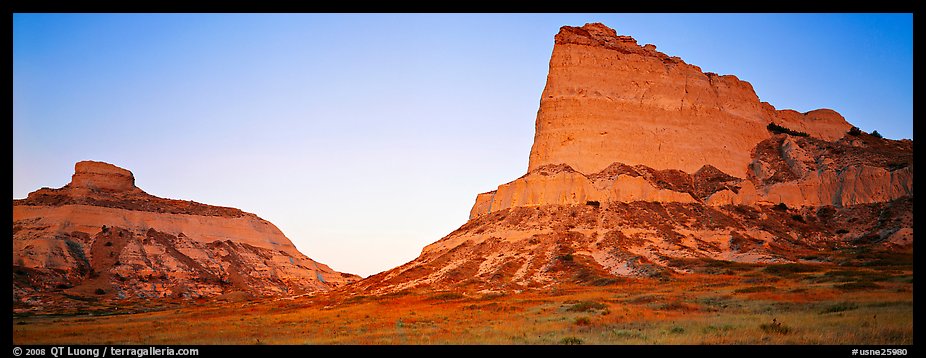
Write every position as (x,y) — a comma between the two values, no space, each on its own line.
(645,166)
(101,237)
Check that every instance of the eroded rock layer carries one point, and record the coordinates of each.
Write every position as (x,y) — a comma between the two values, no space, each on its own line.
(541,246)
(793,170)
(608,99)
(643,165)
(102,237)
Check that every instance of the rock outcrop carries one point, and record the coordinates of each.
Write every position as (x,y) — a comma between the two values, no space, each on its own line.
(608,99)
(100,232)
(542,246)
(795,171)
(611,102)
(643,165)
(91,175)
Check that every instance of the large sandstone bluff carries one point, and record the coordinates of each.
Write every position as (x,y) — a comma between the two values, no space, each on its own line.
(102,237)
(610,102)
(641,161)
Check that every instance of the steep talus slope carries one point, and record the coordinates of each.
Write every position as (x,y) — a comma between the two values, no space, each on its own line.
(100,237)
(524,247)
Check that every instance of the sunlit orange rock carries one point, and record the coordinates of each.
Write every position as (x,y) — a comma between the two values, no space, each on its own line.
(102,232)
(610,101)
(607,99)
(643,165)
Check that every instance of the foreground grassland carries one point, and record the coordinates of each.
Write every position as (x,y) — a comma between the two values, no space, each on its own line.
(725,303)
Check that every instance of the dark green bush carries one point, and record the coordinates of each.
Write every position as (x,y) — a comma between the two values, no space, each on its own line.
(774,128)
(570,341)
(791,268)
(840,307)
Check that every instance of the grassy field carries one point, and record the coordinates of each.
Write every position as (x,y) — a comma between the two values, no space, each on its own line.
(739,304)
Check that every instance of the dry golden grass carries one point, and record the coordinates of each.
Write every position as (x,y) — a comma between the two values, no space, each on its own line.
(802,308)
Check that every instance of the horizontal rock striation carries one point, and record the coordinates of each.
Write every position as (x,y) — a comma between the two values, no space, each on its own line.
(102,232)
(644,166)
(796,171)
(608,99)
(544,246)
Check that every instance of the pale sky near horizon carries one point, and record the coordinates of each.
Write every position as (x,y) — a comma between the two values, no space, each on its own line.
(365,137)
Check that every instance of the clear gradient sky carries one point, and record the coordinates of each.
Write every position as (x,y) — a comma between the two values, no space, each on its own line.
(365,137)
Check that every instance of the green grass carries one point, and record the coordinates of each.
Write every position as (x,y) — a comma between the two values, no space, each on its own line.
(585,306)
(652,312)
(775,328)
(840,307)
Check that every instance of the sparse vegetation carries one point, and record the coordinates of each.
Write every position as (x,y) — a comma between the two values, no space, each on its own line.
(840,307)
(570,341)
(799,308)
(586,306)
(855,131)
(775,327)
(755,289)
(876,134)
(774,128)
(858,286)
(446,296)
(675,306)
(789,269)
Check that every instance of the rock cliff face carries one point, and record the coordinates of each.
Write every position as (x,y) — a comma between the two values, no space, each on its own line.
(609,103)
(90,175)
(100,236)
(643,165)
(608,99)
(795,171)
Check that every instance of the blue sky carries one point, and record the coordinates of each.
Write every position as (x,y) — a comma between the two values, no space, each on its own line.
(365,137)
